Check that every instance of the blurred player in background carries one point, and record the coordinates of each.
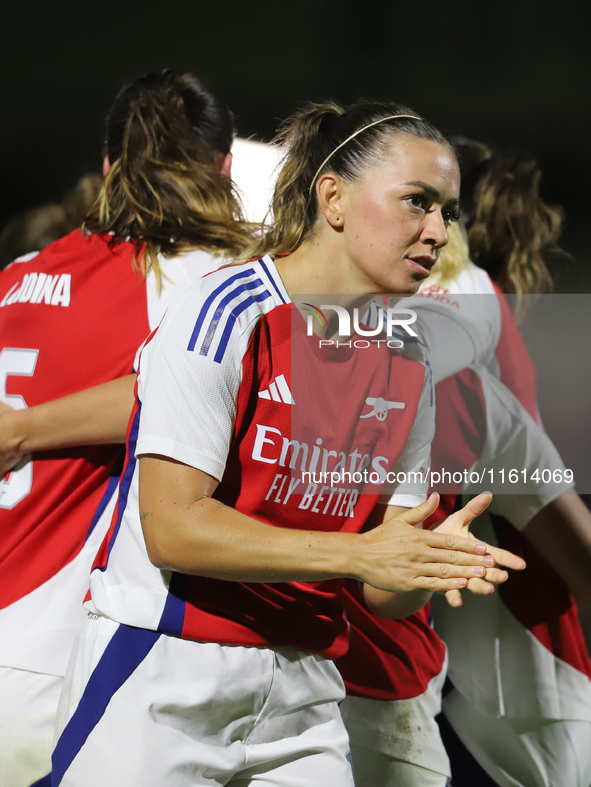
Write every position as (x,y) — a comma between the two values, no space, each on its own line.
(253,171)
(38,227)
(394,670)
(521,671)
(480,421)
(71,317)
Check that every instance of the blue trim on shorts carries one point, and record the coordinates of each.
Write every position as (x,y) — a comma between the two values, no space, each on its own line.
(125,652)
(349,759)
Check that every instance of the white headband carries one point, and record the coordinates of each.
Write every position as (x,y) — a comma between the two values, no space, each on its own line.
(359,130)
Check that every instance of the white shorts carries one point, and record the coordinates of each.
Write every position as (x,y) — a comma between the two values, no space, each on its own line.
(397,744)
(28,705)
(523,752)
(141,708)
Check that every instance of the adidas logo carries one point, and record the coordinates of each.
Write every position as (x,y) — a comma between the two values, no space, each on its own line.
(278,391)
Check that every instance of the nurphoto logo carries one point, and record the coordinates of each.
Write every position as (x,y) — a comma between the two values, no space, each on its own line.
(385,320)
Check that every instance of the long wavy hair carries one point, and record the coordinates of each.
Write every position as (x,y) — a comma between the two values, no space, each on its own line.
(310,136)
(509,225)
(167,136)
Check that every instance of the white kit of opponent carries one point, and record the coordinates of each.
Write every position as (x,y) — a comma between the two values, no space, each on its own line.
(186,659)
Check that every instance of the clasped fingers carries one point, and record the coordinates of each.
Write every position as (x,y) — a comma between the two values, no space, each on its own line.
(453,571)
(468,546)
(452,557)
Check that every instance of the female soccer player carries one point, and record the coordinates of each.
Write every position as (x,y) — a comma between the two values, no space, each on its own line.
(213,607)
(72,316)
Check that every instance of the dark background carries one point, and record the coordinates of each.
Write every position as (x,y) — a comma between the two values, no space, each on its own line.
(512,73)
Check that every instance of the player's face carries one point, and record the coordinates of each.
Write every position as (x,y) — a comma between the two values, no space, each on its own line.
(395,216)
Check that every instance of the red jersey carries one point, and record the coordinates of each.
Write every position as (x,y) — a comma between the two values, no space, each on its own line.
(289,427)
(71,316)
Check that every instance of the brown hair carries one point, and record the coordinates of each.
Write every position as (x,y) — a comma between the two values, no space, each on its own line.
(166,133)
(509,226)
(310,136)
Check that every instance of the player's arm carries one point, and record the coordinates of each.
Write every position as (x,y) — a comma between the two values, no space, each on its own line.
(94,416)
(456,337)
(550,515)
(399,605)
(561,532)
(188,531)
(381,602)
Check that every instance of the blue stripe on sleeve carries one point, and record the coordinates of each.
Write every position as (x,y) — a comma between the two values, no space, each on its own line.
(272,280)
(44,782)
(209,301)
(236,312)
(221,307)
(124,653)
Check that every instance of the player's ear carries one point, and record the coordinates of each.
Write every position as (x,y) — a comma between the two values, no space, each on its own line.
(106,166)
(226,166)
(330,194)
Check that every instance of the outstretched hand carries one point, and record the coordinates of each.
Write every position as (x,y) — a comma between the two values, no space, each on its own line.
(397,556)
(458,524)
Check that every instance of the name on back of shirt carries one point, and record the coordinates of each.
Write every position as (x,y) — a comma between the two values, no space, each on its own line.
(40,288)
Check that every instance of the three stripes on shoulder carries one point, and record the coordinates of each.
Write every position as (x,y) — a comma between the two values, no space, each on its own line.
(278,391)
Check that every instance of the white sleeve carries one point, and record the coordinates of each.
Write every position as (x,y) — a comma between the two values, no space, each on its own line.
(515,442)
(178,273)
(411,468)
(188,390)
(458,329)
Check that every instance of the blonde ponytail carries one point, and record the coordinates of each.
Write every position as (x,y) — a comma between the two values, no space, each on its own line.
(454,257)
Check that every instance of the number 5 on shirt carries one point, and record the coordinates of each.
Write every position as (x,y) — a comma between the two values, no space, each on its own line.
(17,484)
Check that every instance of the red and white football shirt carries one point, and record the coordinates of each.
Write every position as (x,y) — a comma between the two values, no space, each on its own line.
(226,386)
(71,316)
